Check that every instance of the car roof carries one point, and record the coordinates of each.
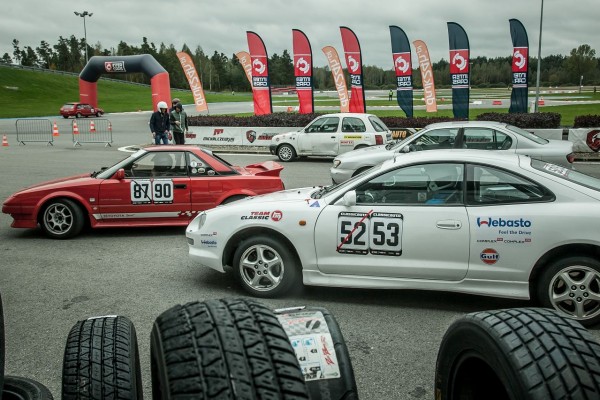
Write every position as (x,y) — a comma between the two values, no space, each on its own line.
(358,115)
(458,155)
(454,124)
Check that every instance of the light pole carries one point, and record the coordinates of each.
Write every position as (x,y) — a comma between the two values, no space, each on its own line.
(83,15)
(539,62)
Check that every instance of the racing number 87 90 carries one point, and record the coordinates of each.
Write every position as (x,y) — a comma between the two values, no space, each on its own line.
(375,233)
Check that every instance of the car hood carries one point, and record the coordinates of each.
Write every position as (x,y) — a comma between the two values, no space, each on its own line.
(301,195)
(61,183)
(367,153)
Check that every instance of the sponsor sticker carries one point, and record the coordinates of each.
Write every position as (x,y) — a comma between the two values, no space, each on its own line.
(489,256)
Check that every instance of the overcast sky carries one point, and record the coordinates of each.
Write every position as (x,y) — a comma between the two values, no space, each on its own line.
(222,25)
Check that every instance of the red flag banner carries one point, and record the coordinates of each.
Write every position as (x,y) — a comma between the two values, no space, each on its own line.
(338,77)
(354,64)
(303,71)
(194,81)
(244,58)
(261,86)
(426,75)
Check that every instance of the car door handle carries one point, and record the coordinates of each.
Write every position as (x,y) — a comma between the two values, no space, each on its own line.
(449,224)
(333,137)
(180,186)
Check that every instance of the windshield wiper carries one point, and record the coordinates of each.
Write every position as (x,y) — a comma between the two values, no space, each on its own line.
(322,191)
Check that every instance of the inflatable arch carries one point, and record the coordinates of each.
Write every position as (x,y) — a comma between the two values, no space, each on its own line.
(98,65)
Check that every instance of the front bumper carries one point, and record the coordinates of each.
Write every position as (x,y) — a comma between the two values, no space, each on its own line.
(23,217)
(273,149)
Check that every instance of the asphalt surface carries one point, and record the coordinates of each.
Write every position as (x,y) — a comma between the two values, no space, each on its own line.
(48,285)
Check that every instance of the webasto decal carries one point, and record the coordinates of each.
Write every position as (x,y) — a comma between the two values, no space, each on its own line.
(500,222)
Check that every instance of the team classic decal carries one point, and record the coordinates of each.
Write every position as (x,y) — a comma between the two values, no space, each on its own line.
(148,191)
(264,215)
(489,256)
(374,233)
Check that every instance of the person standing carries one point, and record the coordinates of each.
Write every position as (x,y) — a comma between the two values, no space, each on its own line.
(160,124)
(180,124)
(390,95)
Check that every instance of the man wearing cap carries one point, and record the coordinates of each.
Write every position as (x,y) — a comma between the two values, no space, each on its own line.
(174,102)
(179,123)
(159,124)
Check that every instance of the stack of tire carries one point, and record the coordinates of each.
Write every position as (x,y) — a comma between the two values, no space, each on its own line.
(15,387)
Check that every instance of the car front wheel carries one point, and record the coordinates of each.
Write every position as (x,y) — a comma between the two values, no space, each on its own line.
(572,286)
(285,152)
(265,267)
(62,219)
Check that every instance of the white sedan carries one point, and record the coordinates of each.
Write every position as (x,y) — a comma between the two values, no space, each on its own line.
(476,222)
(478,135)
(330,135)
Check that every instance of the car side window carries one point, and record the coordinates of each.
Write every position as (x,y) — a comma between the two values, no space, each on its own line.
(486,139)
(352,124)
(199,167)
(435,139)
(378,124)
(326,124)
(157,164)
(426,185)
(488,186)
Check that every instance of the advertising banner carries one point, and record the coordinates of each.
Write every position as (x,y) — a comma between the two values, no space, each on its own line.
(426,75)
(194,81)
(303,71)
(244,59)
(261,86)
(338,77)
(354,65)
(401,56)
(459,69)
(520,66)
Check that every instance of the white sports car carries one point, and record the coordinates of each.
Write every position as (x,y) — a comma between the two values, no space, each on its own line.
(467,221)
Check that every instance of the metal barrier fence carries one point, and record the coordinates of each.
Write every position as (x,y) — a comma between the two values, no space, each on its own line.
(34,130)
(96,130)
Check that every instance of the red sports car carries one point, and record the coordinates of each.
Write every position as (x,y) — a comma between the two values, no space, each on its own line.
(79,110)
(156,186)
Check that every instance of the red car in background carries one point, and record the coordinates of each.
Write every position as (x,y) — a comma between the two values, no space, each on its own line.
(79,110)
(155,186)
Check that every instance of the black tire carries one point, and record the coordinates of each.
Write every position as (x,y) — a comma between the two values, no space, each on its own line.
(17,388)
(2,346)
(102,360)
(533,354)
(286,153)
(98,115)
(61,219)
(266,268)
(225,349)
(233,198)
(319,323)
(572,286)
(78,115)
(65,116)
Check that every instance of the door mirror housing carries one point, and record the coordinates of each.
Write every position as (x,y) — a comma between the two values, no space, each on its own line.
(349,198)
(120,174)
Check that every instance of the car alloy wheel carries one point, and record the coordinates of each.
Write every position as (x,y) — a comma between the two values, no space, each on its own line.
(572,287)
(261,268)
(286,153)
(62,219)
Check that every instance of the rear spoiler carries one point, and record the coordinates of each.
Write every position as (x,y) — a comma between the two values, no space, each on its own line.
(267,168)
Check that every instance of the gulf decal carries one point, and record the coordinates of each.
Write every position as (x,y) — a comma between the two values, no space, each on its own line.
(303,71)
(261,86)
(193,80)
(426,75)
(520,64)
(354,65)
(401,57)
(489,256)
(246,62)
(338,77)
(459,69)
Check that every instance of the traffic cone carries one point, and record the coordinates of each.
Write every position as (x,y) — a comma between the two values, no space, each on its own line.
(75,128)
(55,130)
(109,127)
(92,127)
(4,141)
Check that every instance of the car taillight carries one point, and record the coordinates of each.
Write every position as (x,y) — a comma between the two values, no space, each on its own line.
(571,158)
(378,139)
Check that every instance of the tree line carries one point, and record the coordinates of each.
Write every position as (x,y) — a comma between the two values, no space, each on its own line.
(219,72)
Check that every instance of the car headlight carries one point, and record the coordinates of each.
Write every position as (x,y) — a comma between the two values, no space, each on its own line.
(336,163)
(197,222)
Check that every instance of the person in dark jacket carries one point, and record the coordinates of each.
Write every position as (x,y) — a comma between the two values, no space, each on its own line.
(179,123)
(160,124)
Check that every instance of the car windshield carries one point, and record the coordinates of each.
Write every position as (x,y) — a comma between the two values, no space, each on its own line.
(527,135)
(567,174)
(108,172)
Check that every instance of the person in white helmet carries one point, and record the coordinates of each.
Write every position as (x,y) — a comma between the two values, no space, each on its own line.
(160,125)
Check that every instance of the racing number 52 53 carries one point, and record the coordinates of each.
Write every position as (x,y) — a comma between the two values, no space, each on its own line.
(380,235)
(352,235)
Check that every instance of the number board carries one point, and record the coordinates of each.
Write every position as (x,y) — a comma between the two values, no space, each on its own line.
(370,233)
(148,191)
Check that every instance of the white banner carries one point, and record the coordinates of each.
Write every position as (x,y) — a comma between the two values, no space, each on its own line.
(234,136)
(585,140)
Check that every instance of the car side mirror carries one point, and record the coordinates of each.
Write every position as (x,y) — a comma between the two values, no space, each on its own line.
(350,198)
(405,149)
(120,174)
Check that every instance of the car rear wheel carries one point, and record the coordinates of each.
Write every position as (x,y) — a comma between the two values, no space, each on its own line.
(527,353)
(62,219)
(78,115)
(286,153)
(98,115)
(65,116)
(572,286)
(265,267)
